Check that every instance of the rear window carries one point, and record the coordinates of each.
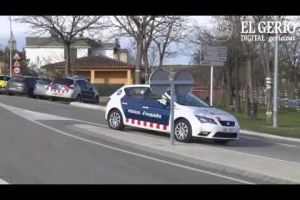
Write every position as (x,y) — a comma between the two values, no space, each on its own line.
(44,81)
(18,79)
(63,81)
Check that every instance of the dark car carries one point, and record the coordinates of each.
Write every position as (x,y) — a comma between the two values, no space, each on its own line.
(23,85)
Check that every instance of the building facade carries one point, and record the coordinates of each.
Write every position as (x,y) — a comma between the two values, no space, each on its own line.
(46,50)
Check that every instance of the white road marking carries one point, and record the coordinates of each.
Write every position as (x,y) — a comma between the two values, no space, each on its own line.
(2,182)
(124,151)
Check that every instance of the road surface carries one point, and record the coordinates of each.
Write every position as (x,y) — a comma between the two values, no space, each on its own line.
(37,147)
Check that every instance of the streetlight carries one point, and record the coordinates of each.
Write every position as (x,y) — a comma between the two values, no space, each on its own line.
(275,110)
(10,47)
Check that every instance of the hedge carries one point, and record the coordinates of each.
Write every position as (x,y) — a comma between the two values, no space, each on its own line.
(107,89)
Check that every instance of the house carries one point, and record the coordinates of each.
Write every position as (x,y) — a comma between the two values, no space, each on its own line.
(45,50)
(98,69)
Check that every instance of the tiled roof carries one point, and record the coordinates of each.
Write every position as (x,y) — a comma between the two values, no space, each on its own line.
(90,62)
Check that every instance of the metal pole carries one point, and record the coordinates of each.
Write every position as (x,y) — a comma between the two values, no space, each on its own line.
(10,46)
(275,84)
(172,107)
(211,85)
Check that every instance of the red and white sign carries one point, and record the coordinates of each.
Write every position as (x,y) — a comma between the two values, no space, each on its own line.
(16,56)
(17,64)
(17,70)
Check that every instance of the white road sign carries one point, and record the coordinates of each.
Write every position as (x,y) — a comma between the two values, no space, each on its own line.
(214,55)
(215,58)
(212,63)
(215,48)
(16,57)
(16,64)
(17,70)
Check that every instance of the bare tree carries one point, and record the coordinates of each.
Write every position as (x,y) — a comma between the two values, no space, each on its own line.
(174,32)
(291,56)
(65,27)
(136,27)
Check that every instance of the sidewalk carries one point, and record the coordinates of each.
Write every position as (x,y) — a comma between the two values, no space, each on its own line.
(247,132)
(253,166)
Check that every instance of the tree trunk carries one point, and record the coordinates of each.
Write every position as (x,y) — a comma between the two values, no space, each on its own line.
(228,73)
(138,61)
(237,86)
(146,65)
(161,57)
(296,77)
(67,58)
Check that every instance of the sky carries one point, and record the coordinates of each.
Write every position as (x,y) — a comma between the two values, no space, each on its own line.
(21,31)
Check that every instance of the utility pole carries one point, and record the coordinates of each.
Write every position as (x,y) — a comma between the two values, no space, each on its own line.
(10,47)
(275,83)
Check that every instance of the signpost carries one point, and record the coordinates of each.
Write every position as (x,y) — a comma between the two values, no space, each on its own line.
(213,56)
(181,83)
(16,65)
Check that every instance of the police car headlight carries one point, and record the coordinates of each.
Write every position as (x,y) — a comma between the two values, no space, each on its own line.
(206,120)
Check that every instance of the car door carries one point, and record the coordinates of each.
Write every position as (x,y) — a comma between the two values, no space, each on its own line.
(132,104)
(90,91)
(83,89)
(156,111)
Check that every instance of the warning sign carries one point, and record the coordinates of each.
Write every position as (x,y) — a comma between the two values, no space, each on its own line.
(17,64)
(16,56)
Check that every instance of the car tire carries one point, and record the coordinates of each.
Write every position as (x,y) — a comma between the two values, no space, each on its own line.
(30,94)
(183,131)
(96,100)
(78,98)
(223,142)
(115,120)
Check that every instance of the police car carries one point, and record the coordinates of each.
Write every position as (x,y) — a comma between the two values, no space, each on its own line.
(137,106)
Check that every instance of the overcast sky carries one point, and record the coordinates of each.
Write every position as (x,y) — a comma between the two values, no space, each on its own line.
(20,31)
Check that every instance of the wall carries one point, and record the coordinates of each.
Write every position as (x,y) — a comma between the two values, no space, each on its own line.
(42,56)
(113,77)
(82,52)
(108,53)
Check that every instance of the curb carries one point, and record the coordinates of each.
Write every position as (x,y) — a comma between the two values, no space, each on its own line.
(268,135)
(89,106)
(247,132)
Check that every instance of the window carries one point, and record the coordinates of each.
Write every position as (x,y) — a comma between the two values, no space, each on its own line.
(18,79)
(82,84)
(161,99)
(63,81)
(44,81)
(189,100)
(136,92)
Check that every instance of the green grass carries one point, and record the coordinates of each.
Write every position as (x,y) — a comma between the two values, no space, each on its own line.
(288,123)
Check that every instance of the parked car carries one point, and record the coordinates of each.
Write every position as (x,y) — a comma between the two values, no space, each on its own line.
(3,83)
(41,88)
(22,85)
(137,106)
(74,89)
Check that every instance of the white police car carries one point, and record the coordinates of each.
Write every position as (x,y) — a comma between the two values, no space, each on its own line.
(137,106)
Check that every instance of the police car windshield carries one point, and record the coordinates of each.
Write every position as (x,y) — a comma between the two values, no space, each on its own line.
(189,100)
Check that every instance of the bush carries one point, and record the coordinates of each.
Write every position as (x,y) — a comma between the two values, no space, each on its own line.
(107,89)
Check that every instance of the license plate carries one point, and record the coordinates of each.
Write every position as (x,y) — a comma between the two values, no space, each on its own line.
(228,130)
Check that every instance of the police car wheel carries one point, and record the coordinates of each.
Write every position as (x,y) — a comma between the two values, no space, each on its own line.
(78,98)
(115,120)
(183,131)
(96,100)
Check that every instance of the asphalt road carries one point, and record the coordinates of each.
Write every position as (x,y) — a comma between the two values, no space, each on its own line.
(33,150)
